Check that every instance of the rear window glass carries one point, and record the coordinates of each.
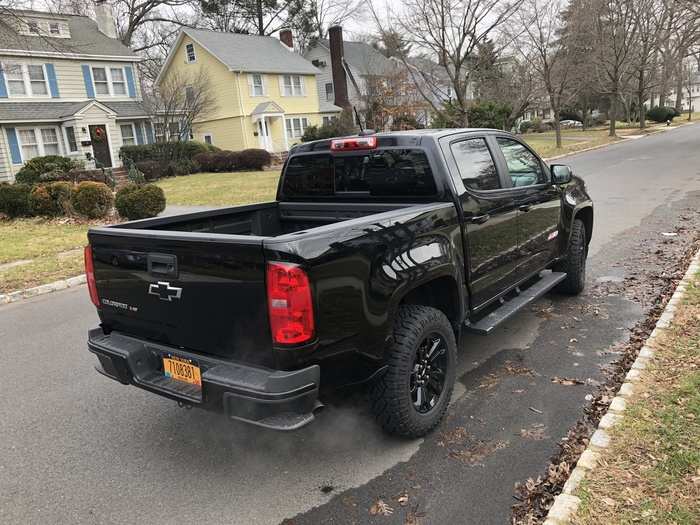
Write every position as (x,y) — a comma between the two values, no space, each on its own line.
(389,173)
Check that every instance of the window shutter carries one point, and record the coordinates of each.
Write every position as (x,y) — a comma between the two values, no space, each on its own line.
(87,78)
(251,85)
(15,152)
(302,80)
(3,86)
(280,79)
(139,133)
(53,84)
(131,86)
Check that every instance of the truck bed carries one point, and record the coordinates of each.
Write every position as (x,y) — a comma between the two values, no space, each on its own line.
(270,219)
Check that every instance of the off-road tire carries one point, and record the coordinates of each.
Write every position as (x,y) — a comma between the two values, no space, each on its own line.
(390,394)
(574,263)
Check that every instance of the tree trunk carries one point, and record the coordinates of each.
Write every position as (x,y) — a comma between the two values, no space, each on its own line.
(679,92)
(642,111)
(261,24)
(612,114)
(557,129)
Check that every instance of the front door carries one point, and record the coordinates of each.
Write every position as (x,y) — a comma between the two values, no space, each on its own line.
(490,219)
(538,202)
(100,146)
(264,134)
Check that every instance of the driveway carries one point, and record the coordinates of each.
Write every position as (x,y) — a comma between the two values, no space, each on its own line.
(78,448)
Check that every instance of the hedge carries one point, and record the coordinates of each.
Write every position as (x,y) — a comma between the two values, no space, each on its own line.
(14,199)
(165,151)
(33,169)
(92,199)
(662,113)
(50,199)
(140,202)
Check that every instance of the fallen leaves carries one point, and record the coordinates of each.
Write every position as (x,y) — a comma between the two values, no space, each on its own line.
(535,432)
(567,381)
(380,508)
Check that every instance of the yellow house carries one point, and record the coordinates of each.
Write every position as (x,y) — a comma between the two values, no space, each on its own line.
(265,93)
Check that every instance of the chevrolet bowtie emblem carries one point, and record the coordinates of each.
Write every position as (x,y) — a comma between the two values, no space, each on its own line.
(164,291)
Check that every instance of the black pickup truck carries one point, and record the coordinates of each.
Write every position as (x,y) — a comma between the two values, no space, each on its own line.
(380,250)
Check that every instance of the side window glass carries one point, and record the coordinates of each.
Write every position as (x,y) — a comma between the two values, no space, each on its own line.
(524,168)
(475,164)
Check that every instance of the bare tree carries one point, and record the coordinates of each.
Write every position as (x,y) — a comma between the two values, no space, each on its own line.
(648,16)
(451,31)
(542,27)
(617,33)
(179,101)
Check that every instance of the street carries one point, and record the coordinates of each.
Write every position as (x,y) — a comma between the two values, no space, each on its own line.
(76,447)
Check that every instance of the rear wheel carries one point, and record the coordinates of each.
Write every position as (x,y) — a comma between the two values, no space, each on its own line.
(411,398)
(574,263)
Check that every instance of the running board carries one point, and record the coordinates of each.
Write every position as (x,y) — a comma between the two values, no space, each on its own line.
(548,280)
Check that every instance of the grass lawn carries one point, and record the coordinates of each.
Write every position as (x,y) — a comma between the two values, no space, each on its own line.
(37,251)
(223,189)
(651,472)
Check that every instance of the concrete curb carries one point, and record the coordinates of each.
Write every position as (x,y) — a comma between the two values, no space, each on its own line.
(622,139)
(42,290)
(566,504)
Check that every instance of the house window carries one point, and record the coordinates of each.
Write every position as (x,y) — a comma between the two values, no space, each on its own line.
(191,57)
(54,28)
(208,139)
(189,94)
(37,80)
(49,138)
(128,135)
(296,127)
(33,27)
(30,145)
(99,77)
(159,132)
(36,142)
(327,121)
(70,136)
(174,131)
(15,79)
(292,86)
(257,88)
(330,97)
(118,83)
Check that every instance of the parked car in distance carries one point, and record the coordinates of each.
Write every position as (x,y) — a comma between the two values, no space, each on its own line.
(379,251)
(570,124)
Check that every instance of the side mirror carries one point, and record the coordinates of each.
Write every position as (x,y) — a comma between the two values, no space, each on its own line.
(561,173)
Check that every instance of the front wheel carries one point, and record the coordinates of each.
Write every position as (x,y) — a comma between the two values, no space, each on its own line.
(411,397)
(574,263)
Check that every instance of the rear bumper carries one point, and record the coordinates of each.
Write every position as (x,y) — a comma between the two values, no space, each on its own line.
(274,399)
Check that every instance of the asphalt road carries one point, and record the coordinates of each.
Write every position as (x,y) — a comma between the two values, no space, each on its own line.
(76,447)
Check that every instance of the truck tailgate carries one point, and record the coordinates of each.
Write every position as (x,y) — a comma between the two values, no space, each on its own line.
(204,293)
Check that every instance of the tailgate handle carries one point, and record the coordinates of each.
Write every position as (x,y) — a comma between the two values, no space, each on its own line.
(162,264)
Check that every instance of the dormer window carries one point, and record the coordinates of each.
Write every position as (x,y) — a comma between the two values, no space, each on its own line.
(191,57)
(44,27)
(54,28)
(33,27)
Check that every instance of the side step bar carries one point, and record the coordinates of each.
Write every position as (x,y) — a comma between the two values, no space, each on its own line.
(485,325)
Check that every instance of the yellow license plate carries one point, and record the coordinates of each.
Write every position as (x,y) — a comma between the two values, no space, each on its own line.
(182,369)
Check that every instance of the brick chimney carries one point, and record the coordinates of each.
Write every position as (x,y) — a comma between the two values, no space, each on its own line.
(340,81)
(286,37)
(105,19)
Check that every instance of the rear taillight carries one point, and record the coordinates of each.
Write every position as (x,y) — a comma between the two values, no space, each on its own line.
(90,276)
(289,303)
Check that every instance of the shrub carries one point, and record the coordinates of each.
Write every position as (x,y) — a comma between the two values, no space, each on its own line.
(140,202)
(151,169)
(661,114)
(92,199)
(205,161)
(185,167)
(254,159)
(339,127)
(489,115)
(40,202)
(525,126)
(14,199)
(135,175)
(165,151)
(33,169)
(60,193)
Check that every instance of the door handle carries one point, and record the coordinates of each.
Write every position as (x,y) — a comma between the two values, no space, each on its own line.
(480,219)
(524,207)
